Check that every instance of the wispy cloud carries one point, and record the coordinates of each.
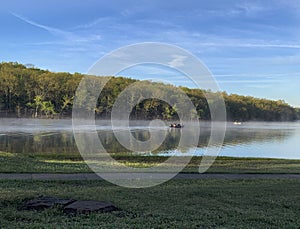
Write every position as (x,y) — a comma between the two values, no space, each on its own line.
(239,8)
(65,35)
(93,23)
(54,31)
(232,81)
(249,45)
(260,75)
(250,8)
(177,61)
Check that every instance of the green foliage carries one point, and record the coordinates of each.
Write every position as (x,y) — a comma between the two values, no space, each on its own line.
(26,92)
(250,108)
(44,107)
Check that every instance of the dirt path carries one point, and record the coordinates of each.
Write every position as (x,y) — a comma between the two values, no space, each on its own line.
(92,176)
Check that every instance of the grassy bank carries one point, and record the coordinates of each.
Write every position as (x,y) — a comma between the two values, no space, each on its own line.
(175,204)
(60,163)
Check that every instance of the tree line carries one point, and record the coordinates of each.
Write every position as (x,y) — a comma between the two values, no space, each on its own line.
(32,92)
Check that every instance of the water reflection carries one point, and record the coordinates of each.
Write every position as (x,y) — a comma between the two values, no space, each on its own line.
(55,136)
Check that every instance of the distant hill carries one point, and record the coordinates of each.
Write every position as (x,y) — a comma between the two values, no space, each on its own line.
(31,92)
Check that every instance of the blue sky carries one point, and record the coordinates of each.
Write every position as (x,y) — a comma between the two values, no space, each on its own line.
(251,47)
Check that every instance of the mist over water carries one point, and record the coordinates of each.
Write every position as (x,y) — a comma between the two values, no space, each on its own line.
(253,139)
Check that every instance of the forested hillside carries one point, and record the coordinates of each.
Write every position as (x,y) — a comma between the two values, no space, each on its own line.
(31,92)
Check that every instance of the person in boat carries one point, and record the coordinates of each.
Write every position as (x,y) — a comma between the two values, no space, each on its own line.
(173,125)
(176,125)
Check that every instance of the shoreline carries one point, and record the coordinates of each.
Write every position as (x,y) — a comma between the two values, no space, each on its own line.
(166,120)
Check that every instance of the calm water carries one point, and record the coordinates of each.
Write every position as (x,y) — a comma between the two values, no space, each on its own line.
(270,140)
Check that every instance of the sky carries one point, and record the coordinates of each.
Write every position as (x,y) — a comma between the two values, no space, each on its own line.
(250,47)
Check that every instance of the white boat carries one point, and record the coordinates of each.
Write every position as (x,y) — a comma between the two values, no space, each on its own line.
(237,123)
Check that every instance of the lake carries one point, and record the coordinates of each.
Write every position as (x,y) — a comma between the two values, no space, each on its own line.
(252,139)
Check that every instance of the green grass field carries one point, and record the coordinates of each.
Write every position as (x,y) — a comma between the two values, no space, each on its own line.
(60,163)
(175,204)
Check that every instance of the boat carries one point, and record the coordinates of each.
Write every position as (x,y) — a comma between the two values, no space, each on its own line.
(237,123)
(176,125)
